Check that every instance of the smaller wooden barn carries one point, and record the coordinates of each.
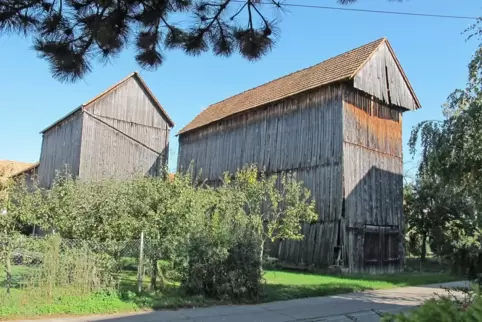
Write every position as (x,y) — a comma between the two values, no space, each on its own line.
(338,126)
(29,174)
(122,131)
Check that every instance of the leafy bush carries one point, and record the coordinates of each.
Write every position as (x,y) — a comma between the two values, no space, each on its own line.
(223,255)
(213,236)
(220,258)
(447,308)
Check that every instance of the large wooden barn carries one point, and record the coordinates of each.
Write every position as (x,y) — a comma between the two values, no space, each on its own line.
(338,126)
(122,131)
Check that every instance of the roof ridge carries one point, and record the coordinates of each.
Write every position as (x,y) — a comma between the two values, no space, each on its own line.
(110,89)
(149,92)
(381,40)
(333,69)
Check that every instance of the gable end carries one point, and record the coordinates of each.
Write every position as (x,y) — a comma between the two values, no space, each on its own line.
(383,77)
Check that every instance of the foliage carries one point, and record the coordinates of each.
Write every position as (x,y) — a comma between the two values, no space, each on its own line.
(448,187)
(18,204)
(113,210)
(70,34)
(450,307)
(277,204)
(432,211)
(215,236)
(223,255)
(222,258)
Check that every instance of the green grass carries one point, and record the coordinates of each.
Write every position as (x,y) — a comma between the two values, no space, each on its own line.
(280,285)
(290,285)
(19,305)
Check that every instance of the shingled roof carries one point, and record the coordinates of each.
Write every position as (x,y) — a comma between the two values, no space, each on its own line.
(341,67)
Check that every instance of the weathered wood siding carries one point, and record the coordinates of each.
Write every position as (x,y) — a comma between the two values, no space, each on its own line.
(381,77)
(131,103)
(346,146)
(301,134)
(60,147)
(373,182)
(124,133)
(107,152)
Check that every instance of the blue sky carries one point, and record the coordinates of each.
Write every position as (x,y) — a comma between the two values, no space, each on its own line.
(433,52)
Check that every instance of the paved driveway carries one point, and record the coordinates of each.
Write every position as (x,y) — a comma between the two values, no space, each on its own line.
(343,308)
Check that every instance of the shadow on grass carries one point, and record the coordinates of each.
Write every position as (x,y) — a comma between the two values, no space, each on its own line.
(170,298)
(174,297)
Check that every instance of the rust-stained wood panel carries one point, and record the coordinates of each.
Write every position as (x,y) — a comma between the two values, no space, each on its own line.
(371,124)
(373,184)
(381,77)
(60,149)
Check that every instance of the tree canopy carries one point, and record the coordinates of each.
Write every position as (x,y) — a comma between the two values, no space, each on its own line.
(71,34)
(445,201)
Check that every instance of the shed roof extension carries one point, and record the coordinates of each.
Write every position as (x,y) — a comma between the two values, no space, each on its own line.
(340,68)
(27,169)
(109,90)
(13,168)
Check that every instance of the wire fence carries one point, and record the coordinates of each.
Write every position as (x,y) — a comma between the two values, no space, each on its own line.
(49,264)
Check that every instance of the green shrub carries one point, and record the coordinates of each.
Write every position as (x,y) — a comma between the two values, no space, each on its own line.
(447,308)
(222,258)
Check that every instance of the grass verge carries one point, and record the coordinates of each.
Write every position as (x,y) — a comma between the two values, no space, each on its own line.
(280,285)
(289,285)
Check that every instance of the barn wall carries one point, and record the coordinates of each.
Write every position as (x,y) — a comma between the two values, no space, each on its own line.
(302,134)
(60,147)
(107,152)
(124,133)
(381,77)
(373,182)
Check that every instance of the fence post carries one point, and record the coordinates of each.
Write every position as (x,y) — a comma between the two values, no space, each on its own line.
(140,267)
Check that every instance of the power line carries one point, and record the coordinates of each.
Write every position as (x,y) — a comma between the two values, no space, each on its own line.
(401,13)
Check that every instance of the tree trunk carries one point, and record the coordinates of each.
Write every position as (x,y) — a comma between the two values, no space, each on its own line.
(423,251)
